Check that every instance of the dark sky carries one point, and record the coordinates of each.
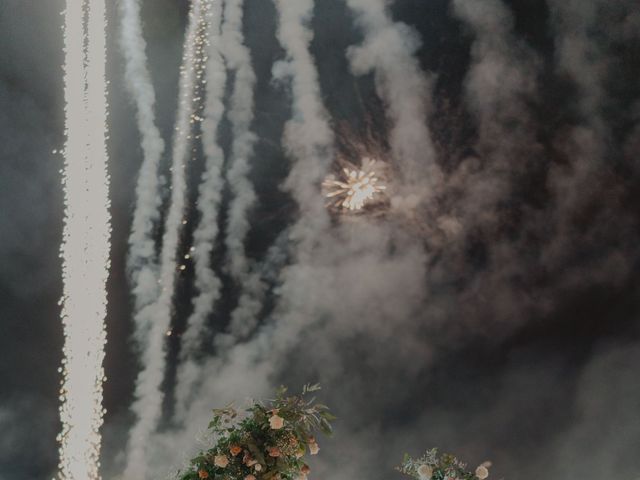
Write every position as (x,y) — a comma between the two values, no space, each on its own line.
(497,321)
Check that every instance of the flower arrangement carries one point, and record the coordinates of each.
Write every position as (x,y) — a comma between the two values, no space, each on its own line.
(430,466)
(268,442)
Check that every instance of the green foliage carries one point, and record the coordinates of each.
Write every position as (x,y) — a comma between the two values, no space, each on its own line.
(430,466)
(267,441)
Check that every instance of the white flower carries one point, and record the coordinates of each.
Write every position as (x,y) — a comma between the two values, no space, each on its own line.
(482,472)
(314,448)
(425,472)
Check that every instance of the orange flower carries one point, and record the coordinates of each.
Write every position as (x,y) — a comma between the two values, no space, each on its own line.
(203,474)
(235,450)
(273,451)
(305,469)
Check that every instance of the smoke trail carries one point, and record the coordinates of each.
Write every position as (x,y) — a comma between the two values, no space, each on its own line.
(142,255)
(244,317)
(241,115)
(308,137)
(389,51)
(148,395)
(86,244)
(210,195)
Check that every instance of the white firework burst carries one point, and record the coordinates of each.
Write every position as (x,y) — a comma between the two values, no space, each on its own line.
(356,187)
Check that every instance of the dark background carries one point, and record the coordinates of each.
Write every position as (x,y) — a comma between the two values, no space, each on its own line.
(518,339)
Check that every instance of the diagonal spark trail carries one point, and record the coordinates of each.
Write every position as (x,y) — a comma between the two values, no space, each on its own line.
(86,240)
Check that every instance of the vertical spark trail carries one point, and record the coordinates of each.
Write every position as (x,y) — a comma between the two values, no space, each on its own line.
(86,240)
(388,51)
(142,260)
(148,394)
(209,198)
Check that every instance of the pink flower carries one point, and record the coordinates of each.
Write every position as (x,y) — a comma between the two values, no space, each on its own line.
(276,422)
(250,477)
(425,472)
(221,461)
(273,451)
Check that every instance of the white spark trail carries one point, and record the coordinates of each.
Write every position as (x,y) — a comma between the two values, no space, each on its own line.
(142,261)
(148,394)
(389,51)
(209,199)
(86,240)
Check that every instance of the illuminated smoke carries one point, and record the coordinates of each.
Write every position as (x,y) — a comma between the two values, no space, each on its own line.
(209,198)
(355,188)
(148,394)
(142,260)
(308,139)
(388,51)
(86,240)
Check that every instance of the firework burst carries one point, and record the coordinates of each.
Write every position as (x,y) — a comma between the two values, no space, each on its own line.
(355,187)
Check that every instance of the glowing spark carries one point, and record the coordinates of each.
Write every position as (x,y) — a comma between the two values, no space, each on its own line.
(85,245)
(355,188)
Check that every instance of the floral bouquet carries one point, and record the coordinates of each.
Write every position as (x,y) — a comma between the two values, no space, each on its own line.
(268,442)
(445,467)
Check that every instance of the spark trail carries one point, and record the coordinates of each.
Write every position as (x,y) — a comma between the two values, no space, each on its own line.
(142,261)
(148,394)
(86,240)
(209,198)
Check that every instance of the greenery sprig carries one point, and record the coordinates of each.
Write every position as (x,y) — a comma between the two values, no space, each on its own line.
(267,442)
(430,466)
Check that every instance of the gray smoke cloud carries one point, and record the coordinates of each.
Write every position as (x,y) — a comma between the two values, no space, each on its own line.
(389,51)
(376,311)
(142,252)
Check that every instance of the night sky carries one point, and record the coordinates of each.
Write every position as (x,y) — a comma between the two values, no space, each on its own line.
(497,318)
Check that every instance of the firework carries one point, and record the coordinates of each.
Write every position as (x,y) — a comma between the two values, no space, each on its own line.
(86,240)
(355,188)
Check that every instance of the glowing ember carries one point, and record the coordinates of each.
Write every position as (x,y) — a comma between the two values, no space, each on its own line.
(355,188)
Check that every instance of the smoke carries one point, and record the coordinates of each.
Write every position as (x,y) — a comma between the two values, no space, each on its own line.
(148,394)
(208,204)
(388,50)
(142,260)
(238,57)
